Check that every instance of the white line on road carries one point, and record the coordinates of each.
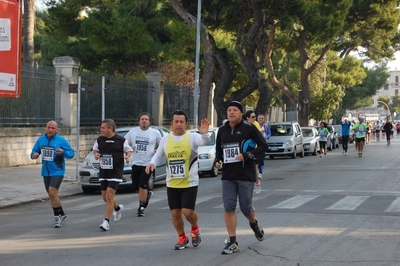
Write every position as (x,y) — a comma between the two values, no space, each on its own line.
(348,203)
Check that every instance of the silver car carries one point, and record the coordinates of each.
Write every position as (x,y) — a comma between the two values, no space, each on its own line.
(310,140)
(89,170)
(206,155)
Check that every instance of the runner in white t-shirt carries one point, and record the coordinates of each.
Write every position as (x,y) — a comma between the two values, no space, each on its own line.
(144,141)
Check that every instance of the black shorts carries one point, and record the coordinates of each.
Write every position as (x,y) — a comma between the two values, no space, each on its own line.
(140,179)
(360,139)
(52,181)
(182,198)
(104,184)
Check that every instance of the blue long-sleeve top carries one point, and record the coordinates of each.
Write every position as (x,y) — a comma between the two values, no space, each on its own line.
(55,165)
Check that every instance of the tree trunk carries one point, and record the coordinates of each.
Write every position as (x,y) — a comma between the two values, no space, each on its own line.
(28,32)
(207,74)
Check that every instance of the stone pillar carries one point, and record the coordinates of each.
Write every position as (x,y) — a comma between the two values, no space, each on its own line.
(66,103)
(155,96)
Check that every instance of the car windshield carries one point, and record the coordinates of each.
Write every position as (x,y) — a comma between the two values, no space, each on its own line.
(281,130)
(122,133)
(338,128)
(307,132)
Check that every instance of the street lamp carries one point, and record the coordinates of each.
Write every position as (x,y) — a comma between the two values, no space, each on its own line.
(196,74)
(388,116)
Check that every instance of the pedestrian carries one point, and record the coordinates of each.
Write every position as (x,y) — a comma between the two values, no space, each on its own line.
(360,129)
(109,149)
(388,130)
(266,132)
(54,149)
(378,130)
(250,117)
(323,138)
(237,153)
(144,141)
(180,148)
(398,129)
(345,135)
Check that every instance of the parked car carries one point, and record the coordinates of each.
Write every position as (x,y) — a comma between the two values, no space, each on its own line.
(332,139)
(89,170)
(206,155)
(286,140)
(311,140)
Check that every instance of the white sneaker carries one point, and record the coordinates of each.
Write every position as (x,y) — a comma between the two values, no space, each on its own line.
(345,153)
(257,187)
(104,226)
(259,176)
(117,214)
(320,155)
(342,152)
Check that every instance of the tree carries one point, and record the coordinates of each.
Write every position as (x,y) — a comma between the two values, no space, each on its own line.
(28,33)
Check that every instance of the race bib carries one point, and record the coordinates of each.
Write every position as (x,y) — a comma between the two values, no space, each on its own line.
(47,153)
(231,150)
(177,169)
(141,146)
(106,161)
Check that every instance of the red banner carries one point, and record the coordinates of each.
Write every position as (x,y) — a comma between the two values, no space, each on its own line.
(10,47)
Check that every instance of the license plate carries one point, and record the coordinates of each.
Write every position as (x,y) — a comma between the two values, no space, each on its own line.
(274,149)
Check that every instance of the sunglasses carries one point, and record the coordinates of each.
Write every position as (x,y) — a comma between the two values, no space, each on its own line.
(252,117)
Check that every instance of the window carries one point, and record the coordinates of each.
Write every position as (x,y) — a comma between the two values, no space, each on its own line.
(396,80)
(396,91)
(386,87)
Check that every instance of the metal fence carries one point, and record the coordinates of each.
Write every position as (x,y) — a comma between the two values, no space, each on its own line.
(125,99)
(36,104)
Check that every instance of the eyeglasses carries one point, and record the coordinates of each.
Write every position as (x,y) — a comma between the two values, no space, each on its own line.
(252,117)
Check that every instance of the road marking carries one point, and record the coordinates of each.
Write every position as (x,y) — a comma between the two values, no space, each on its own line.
(348,203)
(294,202)
(395,206)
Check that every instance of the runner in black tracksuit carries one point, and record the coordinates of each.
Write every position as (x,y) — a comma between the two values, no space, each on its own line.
(239,144)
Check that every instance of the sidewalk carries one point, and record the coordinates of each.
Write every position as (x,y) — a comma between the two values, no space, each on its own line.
(22,184)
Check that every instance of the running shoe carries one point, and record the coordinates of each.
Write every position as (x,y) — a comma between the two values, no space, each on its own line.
(117,214)
(230,247)
(149,194)
(105,226)
(59,220)
(196,238)
(259,176)
(140,212)
(183,242)
(345,153)
(258,231)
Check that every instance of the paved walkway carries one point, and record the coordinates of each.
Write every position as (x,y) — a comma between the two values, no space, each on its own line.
(21,184)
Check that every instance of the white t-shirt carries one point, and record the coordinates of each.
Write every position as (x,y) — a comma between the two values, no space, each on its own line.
(143,143)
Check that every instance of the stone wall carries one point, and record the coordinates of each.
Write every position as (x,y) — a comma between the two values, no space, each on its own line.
(16,143)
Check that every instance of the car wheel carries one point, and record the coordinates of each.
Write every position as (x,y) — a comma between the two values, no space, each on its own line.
(294,154)
(214,172)
(88,190)
(271,157)
(152,178)
(315,151)
(330,147)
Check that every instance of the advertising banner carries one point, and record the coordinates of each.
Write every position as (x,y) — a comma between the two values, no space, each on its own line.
(10,47)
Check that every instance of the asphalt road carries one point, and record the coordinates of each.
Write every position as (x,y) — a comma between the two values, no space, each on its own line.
(336,210)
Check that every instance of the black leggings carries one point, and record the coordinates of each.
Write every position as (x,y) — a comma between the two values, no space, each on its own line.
(345,142)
